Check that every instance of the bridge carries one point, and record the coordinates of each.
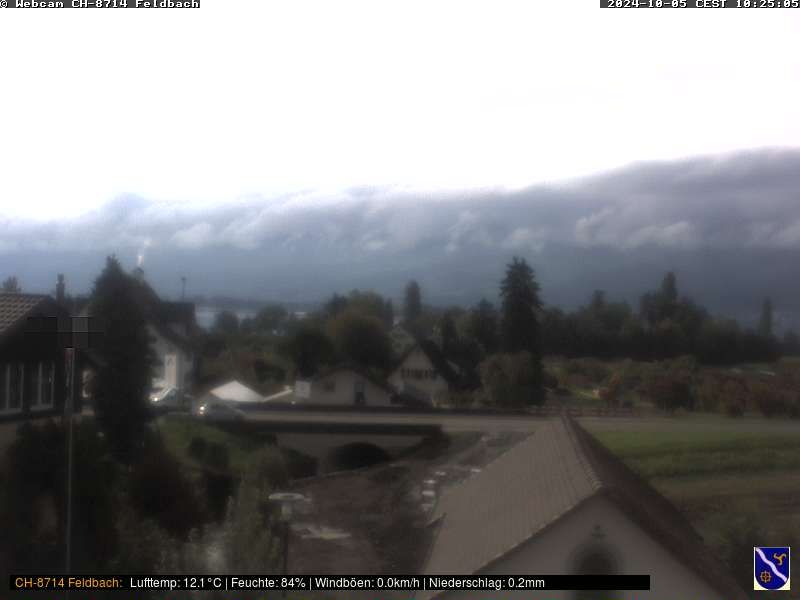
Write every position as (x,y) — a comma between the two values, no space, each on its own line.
(342,438)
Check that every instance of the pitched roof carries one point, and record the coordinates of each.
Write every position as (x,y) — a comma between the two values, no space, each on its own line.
(381,383)
(435,355)
(15,307)
(234,391)
(541,480)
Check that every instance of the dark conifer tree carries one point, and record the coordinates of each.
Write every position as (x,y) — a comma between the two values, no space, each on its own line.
(125,377)
(412,307)
(520,323)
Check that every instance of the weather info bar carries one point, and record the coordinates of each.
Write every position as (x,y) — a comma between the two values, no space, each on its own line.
(99,3)
(328,583)
(699,3)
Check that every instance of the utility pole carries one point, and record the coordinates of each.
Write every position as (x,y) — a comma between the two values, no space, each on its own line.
(183,287)
(68,409)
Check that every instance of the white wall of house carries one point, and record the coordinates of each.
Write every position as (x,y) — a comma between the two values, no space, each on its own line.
(418,371)
(174,366)
(339,388)
(556,551)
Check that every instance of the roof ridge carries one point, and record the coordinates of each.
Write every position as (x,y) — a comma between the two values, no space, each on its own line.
(581,452)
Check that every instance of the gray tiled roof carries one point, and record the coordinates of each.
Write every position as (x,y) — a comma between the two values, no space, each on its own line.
(542,479)
(14,308)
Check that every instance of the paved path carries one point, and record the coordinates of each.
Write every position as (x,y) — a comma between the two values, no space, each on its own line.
(449,423)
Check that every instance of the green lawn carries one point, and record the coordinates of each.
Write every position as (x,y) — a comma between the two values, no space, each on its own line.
(694,453)
(737,480)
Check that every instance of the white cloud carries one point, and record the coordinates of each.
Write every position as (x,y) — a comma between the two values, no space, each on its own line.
(319,95)
(675,234)
(525,238)
(196,236)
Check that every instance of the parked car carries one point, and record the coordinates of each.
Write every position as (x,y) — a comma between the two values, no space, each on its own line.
(218,411)
(170,398)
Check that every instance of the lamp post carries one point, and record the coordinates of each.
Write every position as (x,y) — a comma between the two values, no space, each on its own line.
(286,500)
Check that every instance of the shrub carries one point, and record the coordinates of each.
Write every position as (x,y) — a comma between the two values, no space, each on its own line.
(669,392)
(768,398)
(511,380)
(198,448)
(550,380)
(217,456)
(158,489)
(594,370)
(707,394)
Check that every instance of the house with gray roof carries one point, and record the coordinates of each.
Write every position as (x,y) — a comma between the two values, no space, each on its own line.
(34,332)
(558,503)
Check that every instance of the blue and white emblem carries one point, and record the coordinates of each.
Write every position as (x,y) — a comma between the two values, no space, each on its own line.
(771,567)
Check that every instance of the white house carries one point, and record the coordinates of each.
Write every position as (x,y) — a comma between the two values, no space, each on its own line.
(342,386)
(423,373)
(560,503)
(173,327)
(234,392)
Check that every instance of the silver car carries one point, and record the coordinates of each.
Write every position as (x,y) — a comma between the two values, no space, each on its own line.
(218,411)
(167,399)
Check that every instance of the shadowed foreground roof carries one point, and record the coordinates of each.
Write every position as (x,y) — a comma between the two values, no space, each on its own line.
(14,307)
(542,479)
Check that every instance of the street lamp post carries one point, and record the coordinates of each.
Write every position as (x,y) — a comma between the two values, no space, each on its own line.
(286,500)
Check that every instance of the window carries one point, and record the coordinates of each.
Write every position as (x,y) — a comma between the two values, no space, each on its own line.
(33,387)
(48,384)
(15,372)
(3,388)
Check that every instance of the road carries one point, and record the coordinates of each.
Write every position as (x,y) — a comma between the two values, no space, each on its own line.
(449,422)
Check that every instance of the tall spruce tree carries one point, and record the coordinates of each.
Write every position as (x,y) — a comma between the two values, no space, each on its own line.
(125,376)
(519,322)
(412,307)
(765,322)
(482,325)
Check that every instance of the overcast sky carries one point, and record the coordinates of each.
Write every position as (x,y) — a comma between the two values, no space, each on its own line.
(254,98)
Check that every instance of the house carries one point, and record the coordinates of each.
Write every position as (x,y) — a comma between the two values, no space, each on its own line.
(234,392)
(34,332)
(345,385)
(422,372)
(561,503)
(171,327)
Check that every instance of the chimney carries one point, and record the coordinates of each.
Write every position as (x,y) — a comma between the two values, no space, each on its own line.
(60,289)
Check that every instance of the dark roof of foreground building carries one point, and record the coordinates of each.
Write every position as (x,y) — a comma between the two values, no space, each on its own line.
(15,307)
(543,479)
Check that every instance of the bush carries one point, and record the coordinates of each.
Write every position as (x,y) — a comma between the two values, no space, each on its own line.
(158,489)
(217,456)
(707,394)
(32,499)
(669,392)
(733,408)
(550,380)
(512,380)
(592,369)
(198,448)
(768,398)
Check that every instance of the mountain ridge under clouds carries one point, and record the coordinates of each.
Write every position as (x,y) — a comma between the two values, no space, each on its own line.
(728,225)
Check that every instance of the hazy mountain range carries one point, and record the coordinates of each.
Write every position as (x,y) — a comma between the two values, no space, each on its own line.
(728,225)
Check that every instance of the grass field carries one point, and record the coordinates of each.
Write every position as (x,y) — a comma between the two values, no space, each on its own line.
(737,480)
